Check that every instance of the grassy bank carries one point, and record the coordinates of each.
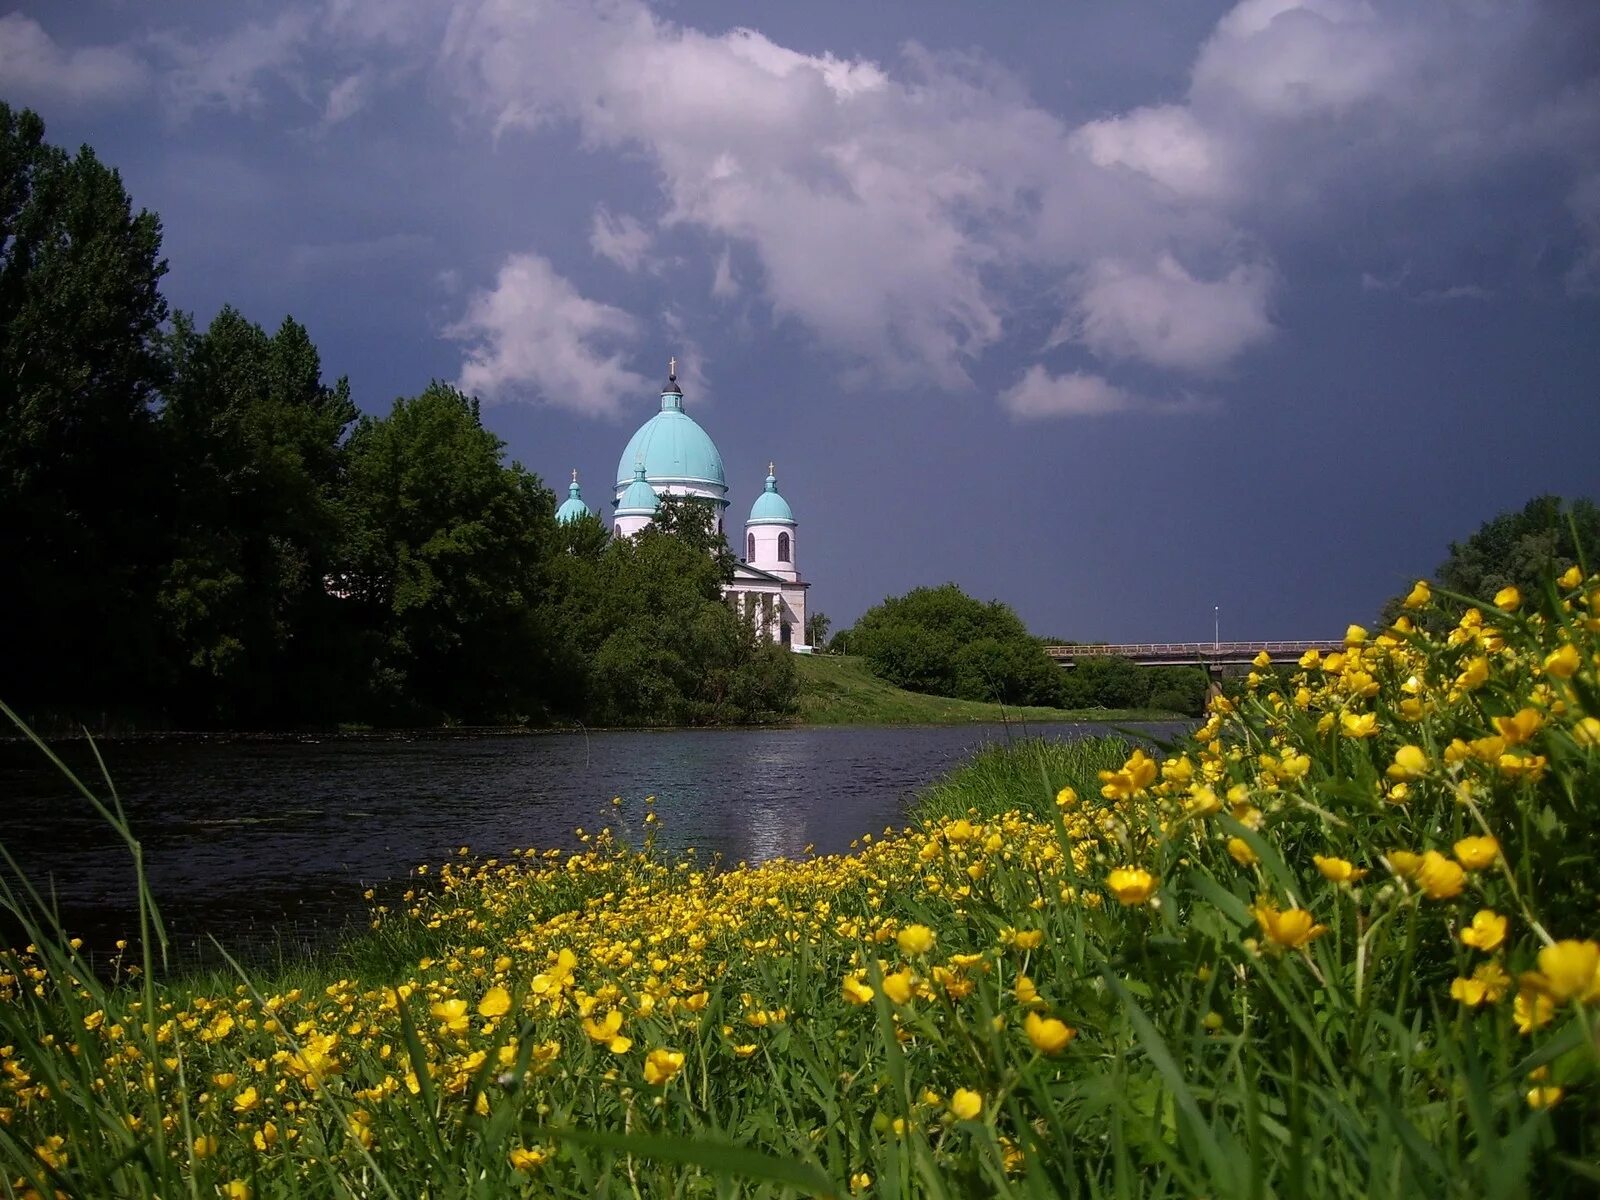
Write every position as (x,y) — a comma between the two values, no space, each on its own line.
(1341,942)
(837,689)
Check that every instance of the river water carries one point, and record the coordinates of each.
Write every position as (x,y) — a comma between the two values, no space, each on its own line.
(264,842)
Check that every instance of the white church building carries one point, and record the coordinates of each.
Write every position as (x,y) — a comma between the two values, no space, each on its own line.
(671,455)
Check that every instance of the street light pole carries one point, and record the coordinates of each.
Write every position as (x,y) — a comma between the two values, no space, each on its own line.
(1216,628)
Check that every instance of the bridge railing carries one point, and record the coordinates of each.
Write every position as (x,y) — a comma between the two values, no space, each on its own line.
(1191,650)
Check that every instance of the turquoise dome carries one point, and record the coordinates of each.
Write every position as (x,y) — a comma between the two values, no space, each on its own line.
(673,449)
(770,508)
(640,500)
(572,508)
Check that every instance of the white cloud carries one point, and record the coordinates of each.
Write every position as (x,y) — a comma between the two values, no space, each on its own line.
(1164,315)
(347,97)
(723,284)
(1039,394)
(1583,278)
(230,71)
(1166,143)
(533,334)
(34,68)
(624,240)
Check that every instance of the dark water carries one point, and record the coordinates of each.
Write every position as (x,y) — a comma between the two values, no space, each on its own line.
(255,840)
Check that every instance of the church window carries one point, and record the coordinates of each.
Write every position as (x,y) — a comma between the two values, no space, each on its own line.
(749,546)
(783,547)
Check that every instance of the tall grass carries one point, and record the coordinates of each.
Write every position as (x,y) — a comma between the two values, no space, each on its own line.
(1025,775)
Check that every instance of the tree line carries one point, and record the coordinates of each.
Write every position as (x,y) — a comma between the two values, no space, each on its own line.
(940,641)
(199,529)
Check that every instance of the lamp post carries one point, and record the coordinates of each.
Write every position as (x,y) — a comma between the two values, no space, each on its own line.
(1216,628)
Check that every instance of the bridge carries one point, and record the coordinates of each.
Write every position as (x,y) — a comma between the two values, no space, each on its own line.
(1211,655)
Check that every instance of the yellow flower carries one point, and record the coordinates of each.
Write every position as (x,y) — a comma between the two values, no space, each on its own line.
(966,1104)
(1028,939)
(1048,1035)
(451,1014)
(1508,598)
(1570,578)
(205,1146)
(1476,853)
(1239,850)
(1532,1009)
(1293,927)
(496,1002)
(1563,663)
(1519,728)
(606,1030)
(1487,931)
(1131,885)
(1474,675)
(860,1181)
(1587,732)
(527,1160)
(898,986)
(1404,863)
(246,1100)
(1337,870)
(746,1050)
(1438,877)
(1541,1098)
(661,1065)
(915,939)
(1354,635)
(1410,762)
(1066,798)
(1136,775)
(1488,984)
(1419,595)
(1358,725)
(856,991)
(1570,970)
(237,1189)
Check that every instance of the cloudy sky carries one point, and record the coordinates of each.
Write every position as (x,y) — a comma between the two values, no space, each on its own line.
(1116,311)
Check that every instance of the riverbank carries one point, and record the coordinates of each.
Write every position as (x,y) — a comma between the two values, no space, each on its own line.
(1338,946)
(838,689)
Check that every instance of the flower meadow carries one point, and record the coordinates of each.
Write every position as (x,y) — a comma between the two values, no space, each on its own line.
(1341,941)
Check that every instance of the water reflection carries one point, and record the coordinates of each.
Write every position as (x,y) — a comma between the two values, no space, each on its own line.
(245,838)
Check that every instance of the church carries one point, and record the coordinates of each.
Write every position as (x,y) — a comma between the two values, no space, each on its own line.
(671,455)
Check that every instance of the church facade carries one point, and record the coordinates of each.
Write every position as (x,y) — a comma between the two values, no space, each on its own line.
(671,455)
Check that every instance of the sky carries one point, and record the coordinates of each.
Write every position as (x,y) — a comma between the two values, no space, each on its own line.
(1152,320)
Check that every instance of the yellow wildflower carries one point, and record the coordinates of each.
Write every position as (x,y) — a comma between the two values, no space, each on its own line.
(1337,870)
(496,1002)
(527,1160)
(1131,885)
(1419,595)
(1487,931)
(1438,877)
(1410,762)
(1476,853)
(660,1065)
(606,1030)
(1570,970)
(1508,598)
(1564,662)
(1293,928)
(1048,1035)
(915,939)
(1239,850)
(1358,725)
(855,991)
(966,1104)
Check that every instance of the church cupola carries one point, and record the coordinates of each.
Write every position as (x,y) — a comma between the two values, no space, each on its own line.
(637,505)
(769,533)
(572,508)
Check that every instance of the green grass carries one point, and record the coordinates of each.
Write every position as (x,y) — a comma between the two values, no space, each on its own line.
(838,689)
(1025,776)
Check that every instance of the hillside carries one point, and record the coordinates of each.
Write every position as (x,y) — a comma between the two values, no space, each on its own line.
(840,690)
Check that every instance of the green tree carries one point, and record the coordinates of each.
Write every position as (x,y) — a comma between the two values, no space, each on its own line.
(80,479)
(941,641)
(1523,548)
(817,625)
(1105,681)
(256,437)
(446,565)
(1178,689)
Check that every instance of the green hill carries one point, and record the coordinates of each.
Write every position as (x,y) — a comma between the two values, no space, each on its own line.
(840,690)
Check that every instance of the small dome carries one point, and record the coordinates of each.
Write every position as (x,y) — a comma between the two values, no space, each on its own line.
(640,500)
(673,448)
(770,508)
(572,508)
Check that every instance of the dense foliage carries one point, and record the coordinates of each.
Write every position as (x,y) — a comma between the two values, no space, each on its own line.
(1341,942)
(1523,549)
(941,641)
(1110,682)
(201,531)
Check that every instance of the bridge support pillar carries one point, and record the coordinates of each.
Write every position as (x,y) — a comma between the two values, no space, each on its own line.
(1213,680)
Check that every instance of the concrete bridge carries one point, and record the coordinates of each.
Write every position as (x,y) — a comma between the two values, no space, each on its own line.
(1211,655)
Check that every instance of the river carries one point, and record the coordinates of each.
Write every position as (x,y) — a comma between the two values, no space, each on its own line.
(268,843)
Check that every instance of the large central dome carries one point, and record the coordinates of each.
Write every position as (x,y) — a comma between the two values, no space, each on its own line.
(673,449)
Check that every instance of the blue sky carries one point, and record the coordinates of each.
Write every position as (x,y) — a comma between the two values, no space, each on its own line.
(1115,311)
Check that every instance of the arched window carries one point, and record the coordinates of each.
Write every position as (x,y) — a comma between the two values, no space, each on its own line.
(783,547)
(749,546)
